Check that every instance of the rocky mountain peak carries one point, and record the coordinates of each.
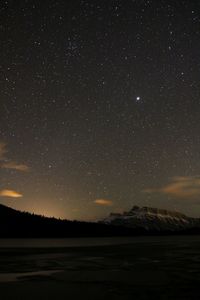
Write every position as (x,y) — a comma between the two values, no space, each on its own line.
(151,218)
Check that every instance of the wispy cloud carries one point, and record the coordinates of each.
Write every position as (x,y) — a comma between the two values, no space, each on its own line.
(15,166)
(186,187)
(2,150)
(103,202)
(10,193)
(6,163)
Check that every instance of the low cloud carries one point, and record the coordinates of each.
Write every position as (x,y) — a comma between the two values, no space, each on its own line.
(180,187)
(103,202)
(15,166)
(10,194)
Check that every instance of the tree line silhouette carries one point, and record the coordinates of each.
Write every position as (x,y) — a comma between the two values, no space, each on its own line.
(14,224)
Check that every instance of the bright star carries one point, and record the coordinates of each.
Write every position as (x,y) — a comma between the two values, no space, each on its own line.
(138,98)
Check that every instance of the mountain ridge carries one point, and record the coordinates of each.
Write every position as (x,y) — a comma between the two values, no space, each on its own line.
(136,222)
(14,224)
(151,218)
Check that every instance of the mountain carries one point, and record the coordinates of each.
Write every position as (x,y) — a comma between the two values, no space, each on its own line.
(16,224)
(153,219)
(138,221)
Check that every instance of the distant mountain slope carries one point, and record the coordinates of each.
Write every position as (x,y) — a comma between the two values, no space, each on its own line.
(138,221)
(152,219)
(14,223)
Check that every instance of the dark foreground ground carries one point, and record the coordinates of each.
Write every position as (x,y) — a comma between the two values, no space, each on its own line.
(147,269)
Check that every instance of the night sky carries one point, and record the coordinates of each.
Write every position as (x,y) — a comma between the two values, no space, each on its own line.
(100,106)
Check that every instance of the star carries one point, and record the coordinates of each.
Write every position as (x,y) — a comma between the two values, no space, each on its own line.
(138,98)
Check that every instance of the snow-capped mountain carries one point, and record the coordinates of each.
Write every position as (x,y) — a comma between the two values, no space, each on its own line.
(151,218)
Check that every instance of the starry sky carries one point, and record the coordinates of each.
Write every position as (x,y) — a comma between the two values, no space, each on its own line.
(100,106)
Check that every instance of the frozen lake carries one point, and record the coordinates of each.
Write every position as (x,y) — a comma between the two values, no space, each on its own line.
(102,268)
(85,242)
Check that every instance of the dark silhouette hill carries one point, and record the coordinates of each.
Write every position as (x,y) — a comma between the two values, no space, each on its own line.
(14,224)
